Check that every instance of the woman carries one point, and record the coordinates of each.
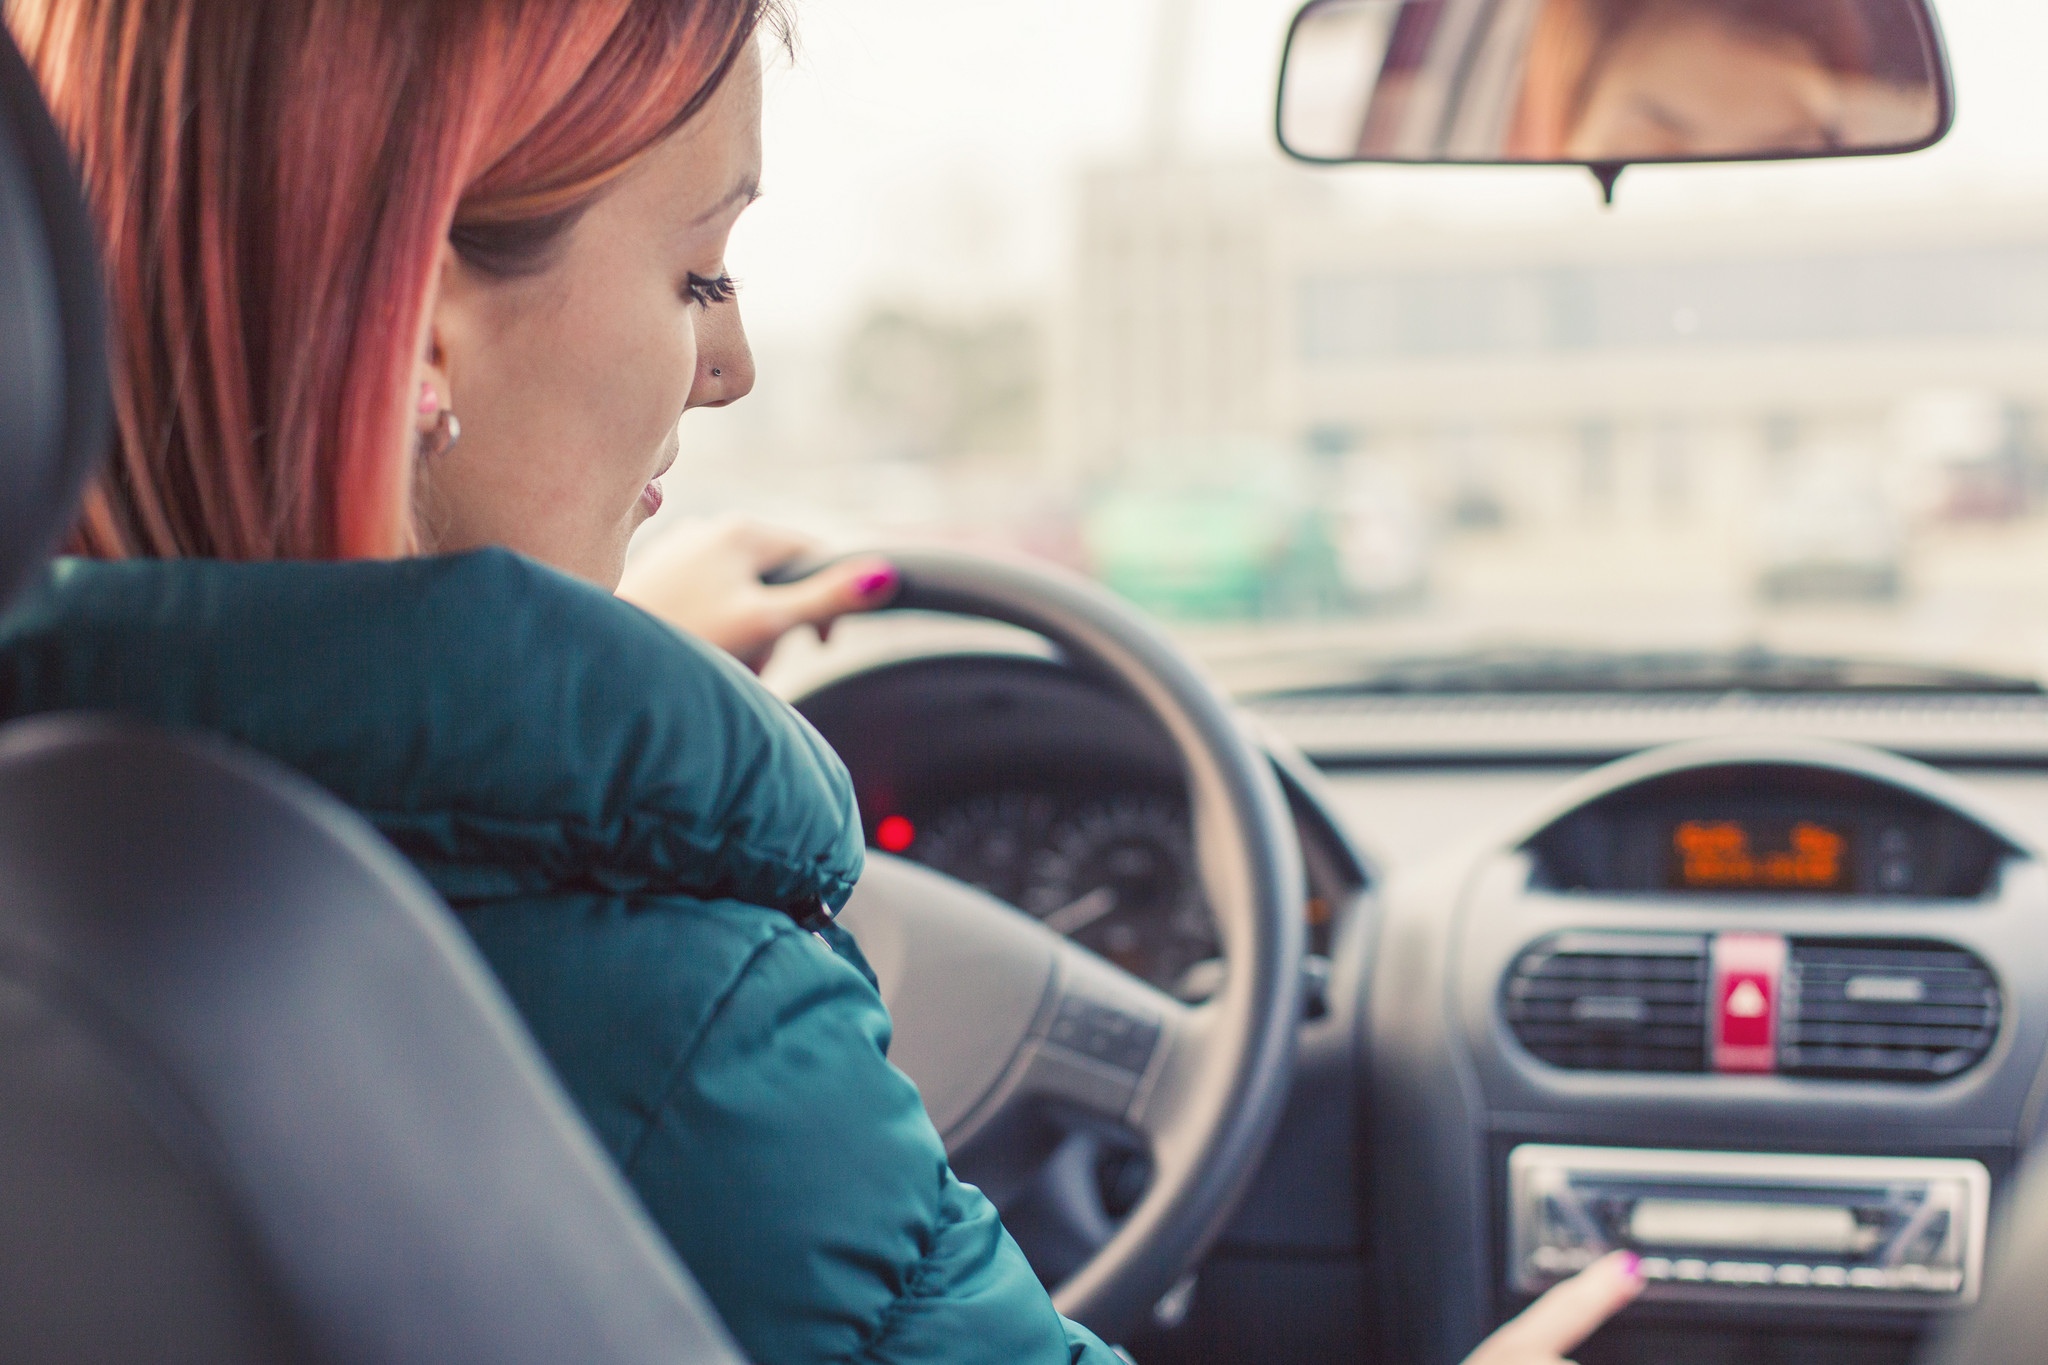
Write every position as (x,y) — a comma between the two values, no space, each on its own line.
(1623,80)
(332,225)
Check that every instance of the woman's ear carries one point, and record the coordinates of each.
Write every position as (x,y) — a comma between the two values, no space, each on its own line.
(433,390)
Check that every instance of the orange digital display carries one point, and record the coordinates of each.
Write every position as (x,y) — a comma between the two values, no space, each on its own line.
(1738,855)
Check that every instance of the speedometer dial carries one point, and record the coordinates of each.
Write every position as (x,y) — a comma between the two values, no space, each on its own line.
(1118,876)
(989,841)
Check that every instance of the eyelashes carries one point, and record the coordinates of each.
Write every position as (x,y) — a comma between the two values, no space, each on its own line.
(706,291)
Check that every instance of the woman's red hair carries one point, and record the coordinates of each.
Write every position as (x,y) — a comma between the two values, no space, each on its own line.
(275,181)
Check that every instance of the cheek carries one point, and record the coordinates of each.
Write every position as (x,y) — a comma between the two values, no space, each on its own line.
(566,423)
(644,383)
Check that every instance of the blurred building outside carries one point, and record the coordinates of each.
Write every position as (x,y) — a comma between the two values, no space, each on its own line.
(1249,404)
(1749,408)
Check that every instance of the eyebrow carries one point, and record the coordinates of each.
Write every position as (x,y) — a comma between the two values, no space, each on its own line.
(745,192)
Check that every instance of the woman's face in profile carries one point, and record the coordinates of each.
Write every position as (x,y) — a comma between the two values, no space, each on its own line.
(1683,84)
(569,383)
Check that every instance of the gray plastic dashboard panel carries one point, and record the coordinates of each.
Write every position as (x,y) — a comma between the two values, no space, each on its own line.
(1498,913)
(1500,917)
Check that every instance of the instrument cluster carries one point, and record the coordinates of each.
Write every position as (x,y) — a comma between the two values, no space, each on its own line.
(1112,870)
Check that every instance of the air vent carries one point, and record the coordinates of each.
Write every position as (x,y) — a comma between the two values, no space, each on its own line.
(1612,1002)
(1885,1009)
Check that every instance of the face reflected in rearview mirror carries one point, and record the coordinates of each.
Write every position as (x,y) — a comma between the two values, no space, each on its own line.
(1607,83)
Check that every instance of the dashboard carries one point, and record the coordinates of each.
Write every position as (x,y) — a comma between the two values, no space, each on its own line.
(1770,1011)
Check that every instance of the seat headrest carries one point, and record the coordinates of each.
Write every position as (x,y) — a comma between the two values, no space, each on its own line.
(54,404)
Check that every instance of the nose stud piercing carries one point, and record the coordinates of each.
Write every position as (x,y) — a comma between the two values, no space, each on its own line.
(716,372)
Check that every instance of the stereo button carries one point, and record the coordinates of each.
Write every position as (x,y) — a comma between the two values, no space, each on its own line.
(1689,1270)
(1866,1277)
(1830,1277)
(1654,1268)
(1797,1276)
(1557,1260)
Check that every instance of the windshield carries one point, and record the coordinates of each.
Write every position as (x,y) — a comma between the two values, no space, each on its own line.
(1036,277)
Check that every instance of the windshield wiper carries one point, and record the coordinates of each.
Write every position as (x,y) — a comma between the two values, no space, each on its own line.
(1532,670)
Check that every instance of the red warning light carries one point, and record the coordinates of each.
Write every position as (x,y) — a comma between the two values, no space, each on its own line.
(894,834)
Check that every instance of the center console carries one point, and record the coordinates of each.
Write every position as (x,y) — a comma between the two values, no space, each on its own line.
(1768,1014)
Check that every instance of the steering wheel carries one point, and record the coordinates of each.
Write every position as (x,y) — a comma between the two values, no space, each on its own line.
(998,1017)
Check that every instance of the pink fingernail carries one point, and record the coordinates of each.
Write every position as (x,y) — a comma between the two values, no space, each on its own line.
(876,583)
(1631,1265)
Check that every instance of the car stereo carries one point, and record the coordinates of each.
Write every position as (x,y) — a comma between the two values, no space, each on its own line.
(1847,1231)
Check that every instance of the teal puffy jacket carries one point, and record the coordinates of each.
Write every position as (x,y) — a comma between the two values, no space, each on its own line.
(623,819)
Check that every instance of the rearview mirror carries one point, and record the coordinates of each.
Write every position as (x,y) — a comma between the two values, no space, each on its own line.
(1610,83)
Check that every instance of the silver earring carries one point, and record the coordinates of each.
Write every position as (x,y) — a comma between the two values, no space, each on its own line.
(441,437)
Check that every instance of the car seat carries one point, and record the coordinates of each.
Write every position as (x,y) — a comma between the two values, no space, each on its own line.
(259,1099)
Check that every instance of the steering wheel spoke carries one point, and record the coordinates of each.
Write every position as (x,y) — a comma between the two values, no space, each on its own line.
(1126,1053)
(994,1011)
(1103,1042)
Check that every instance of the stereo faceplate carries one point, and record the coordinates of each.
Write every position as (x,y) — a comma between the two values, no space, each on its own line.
(1849,1231)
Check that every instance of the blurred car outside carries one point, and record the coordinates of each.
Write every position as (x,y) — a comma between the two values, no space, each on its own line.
(1383,537)
(1830,534)
(1214,532)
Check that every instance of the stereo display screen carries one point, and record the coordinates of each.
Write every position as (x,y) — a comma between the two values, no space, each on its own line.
(1759,855)
(1767,830)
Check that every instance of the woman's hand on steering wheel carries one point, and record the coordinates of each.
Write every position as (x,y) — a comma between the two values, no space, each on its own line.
(706,579)
(1565,1316)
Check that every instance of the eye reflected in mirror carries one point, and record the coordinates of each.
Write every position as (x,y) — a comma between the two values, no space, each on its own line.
(1610,82)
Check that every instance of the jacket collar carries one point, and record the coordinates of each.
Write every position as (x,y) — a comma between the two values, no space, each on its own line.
(510,729)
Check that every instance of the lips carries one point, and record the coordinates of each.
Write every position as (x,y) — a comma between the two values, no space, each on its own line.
(650,496)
